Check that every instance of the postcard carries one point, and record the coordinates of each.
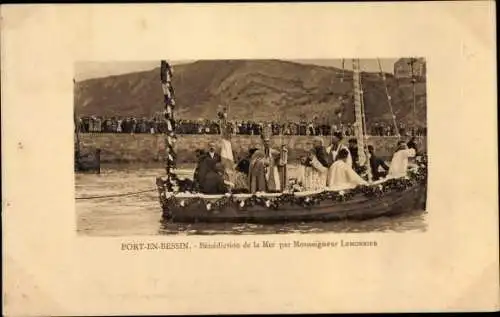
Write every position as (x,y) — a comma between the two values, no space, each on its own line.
(249,158)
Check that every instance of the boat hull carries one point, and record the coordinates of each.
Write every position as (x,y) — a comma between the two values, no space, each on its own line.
(358,207)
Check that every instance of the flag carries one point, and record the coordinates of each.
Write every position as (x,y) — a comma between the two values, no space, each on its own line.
(226,152)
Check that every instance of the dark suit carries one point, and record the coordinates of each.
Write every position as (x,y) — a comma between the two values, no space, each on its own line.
(213,183)
(205,165)
(322,156)
(375,163)
(215,159)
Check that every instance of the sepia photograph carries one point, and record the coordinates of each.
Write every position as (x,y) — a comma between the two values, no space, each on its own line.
(230,158)
(250,146)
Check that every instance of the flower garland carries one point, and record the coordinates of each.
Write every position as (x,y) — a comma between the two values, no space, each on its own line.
(308,201)
(166,74)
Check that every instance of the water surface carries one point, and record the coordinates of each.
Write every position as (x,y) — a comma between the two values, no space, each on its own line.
(140,214)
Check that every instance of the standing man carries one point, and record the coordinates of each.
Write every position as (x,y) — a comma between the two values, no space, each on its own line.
(335,147)
(212,154)
(207,162)
(263,173)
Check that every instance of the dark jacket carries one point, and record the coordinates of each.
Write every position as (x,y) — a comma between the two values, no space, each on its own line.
(205,165)
(214,160)
(243,166)
(213,183)
(375,163)
(322,156)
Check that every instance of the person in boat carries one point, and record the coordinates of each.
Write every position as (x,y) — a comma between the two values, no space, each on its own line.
(335,148)
(263,175)
(341,175)
(282,167)
(243,165)
(200,155)
(399,163)
(239,175)
(212,153)
(213,182)
(353,150)
(376,164)
(315,167)
(206,162)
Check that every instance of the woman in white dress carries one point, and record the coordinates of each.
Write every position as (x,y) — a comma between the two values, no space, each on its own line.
(341,175)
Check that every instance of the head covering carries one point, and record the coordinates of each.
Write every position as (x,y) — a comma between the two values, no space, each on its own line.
(338,135)
(343,153)
(252,151)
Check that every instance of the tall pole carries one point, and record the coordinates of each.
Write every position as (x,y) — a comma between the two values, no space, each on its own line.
(358,97)
(170,137)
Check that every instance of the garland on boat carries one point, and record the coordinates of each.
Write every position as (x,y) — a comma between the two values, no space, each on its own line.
(235,201)
(166,74)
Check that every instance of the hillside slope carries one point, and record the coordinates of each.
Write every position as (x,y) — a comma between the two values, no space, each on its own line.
(253,89)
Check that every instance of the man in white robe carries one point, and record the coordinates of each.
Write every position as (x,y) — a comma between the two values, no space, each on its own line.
(399,162)
(341,175)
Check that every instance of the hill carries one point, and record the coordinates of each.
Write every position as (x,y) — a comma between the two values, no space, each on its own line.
(253,90)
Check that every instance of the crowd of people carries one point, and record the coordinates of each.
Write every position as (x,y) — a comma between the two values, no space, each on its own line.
(97,124)
(336,166)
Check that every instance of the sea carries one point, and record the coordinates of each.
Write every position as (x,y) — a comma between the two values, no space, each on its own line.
(122,200)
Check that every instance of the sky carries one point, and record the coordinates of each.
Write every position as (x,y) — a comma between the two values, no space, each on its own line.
(89,69)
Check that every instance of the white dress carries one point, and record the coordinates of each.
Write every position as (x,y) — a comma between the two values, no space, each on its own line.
(342,176)
(399,163)
(314,177)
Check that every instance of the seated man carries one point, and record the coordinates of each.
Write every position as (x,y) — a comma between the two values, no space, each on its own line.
(353,149)
(399,164)
(213,182)
(375,164)
(341,175)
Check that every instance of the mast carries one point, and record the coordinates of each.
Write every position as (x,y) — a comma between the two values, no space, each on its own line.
(359,127)
(389,98)
(358,97)
(170,137)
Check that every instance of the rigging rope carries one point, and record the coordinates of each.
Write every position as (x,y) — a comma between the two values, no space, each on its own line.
(389,98)
(116,195)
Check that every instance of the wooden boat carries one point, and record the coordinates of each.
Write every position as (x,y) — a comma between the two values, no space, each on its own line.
(387,197)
